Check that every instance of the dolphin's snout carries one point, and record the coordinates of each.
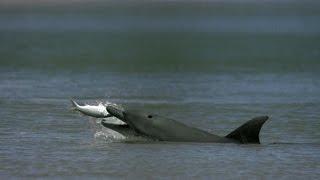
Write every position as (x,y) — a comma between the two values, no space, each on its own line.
(115,111)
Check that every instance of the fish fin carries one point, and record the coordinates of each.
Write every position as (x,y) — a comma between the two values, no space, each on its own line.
(248,133)
(74,104)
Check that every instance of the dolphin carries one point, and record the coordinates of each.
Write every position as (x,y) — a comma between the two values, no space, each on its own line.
(98,111)
(165,129)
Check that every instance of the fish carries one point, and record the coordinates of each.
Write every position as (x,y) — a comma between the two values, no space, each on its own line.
(97,111)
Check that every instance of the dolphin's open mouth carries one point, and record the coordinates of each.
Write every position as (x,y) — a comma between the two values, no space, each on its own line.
(116,111)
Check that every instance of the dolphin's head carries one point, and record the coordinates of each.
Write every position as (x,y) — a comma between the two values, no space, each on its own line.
(145,124)
(132,117)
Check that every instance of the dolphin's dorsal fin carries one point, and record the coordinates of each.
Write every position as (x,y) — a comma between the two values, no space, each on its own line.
(249,131)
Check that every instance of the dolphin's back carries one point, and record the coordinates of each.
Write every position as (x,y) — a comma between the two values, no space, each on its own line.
(166,129)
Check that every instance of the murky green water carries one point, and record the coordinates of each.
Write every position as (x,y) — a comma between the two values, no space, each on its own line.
(210,65)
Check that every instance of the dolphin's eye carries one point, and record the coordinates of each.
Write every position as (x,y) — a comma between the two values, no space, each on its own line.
(149,116)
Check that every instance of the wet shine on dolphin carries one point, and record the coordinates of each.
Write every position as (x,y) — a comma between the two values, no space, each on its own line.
(165,129)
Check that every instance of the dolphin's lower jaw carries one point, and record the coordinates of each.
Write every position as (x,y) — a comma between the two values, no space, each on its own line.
(123,129)
(164,129)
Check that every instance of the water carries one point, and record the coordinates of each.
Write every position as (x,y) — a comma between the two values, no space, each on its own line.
(210,65)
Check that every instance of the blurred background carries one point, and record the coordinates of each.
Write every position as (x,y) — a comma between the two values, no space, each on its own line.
(216,35)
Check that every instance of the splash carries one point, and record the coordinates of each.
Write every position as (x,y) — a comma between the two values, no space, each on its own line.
(109,136)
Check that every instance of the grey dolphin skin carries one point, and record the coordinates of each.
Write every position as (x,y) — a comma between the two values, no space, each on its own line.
(164,129)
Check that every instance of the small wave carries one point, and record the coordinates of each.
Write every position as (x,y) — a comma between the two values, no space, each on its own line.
(294,143)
